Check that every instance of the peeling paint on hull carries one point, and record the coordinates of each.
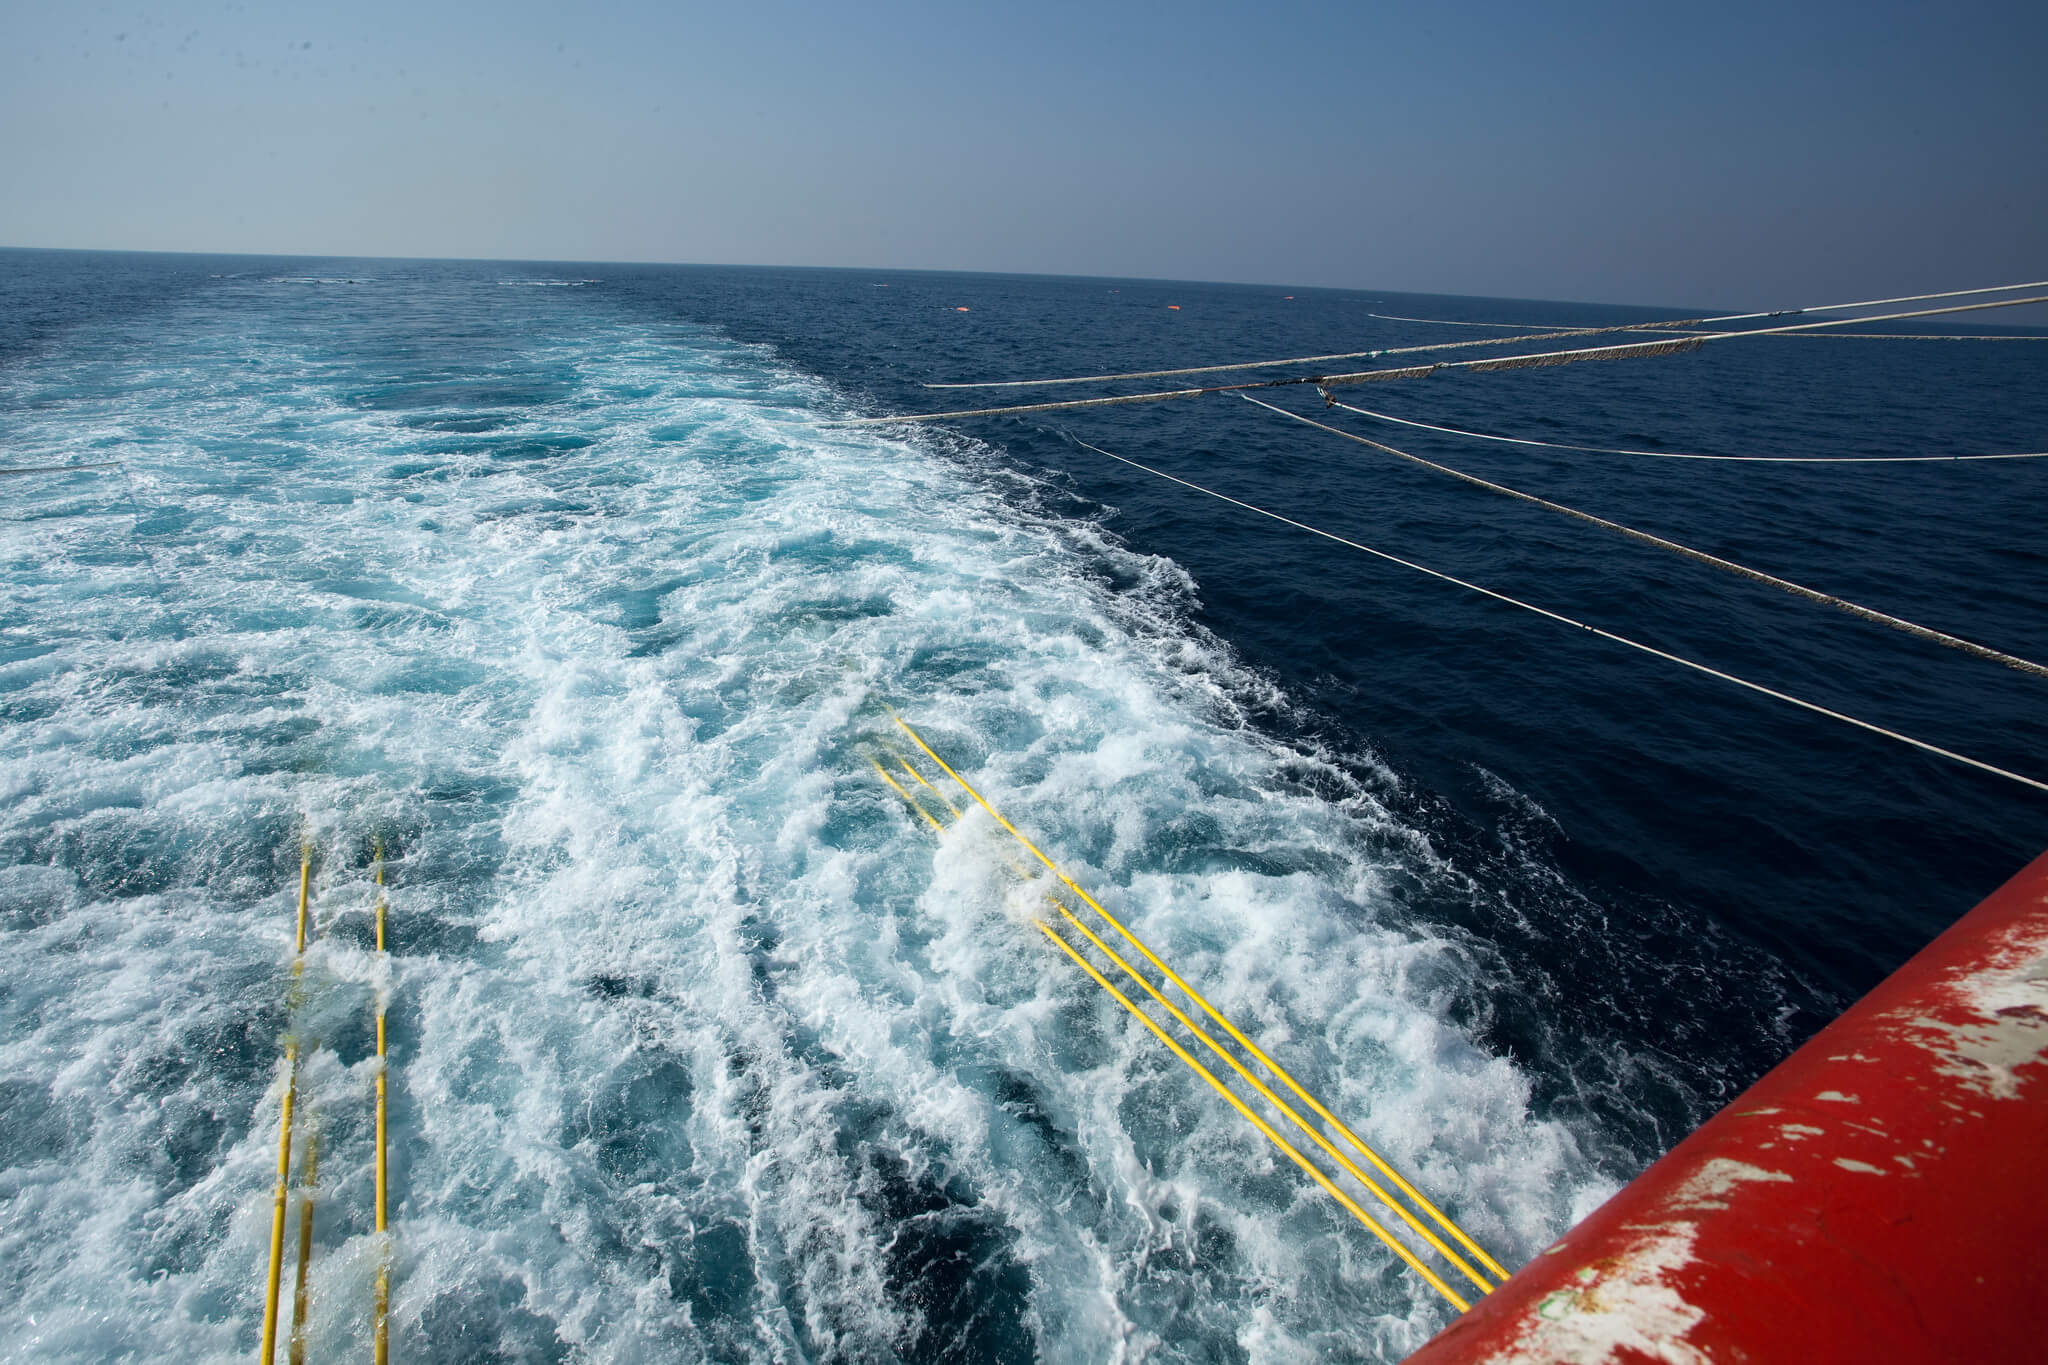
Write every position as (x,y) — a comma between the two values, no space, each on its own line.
(1878,1196)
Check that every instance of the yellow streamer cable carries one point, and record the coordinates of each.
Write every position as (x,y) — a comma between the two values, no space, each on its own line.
(1434,1241)
(1274,1067)
(1314,1171)
(284,1130)
(305,876)
(296,1352)
(277,1201)
(380,1317)
(904,763)
(897,787)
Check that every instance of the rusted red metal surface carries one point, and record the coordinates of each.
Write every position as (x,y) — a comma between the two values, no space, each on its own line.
(1880,1196)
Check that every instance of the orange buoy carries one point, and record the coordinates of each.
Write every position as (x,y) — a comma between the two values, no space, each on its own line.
(1174,306)
(960,310)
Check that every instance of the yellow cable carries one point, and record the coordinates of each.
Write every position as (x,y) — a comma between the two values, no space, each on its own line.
(897,787)
(1274,1100)
(1274,1067)
(296,1352)
(1452,1228)
(904,763)
(277,1199)
(380,1317)
(1315,1171)
(1015,866)
(305,872)
(284,1129)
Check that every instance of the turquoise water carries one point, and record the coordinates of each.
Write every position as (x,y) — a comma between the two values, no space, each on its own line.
(703,1046)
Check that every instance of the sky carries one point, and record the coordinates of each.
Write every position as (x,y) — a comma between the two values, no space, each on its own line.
(1725,154)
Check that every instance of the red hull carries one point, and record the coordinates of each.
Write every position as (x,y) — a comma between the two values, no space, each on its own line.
(1880,1196)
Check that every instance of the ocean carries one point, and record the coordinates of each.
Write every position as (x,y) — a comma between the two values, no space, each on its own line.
(553,583)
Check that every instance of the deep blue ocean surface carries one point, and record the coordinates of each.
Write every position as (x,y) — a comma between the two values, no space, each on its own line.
(554,581)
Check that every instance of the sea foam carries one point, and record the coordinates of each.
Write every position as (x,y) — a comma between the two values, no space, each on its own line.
(703,1045)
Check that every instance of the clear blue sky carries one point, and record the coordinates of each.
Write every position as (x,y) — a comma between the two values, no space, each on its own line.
(1717,153)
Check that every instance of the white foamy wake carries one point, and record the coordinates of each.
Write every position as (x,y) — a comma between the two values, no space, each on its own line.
(704,1046)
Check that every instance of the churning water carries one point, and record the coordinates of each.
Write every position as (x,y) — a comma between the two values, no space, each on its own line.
(703,1046)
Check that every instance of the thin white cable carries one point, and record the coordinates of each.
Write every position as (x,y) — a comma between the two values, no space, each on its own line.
(1270,364)
(134,504)
(1677,344)
(1676,455)
(1879,303)
(1907,336)
(1564,328)
(1634,349)
(1711,672)
(1504,326)
(1543,335)
(59,468)
(1855,609)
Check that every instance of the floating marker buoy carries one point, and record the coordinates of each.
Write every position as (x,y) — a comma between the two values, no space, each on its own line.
(1174,306)
(960,310)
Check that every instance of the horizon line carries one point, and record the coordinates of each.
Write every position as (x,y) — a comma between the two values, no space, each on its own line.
(900,270)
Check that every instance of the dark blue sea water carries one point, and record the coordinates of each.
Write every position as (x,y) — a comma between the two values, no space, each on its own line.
(555,580)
